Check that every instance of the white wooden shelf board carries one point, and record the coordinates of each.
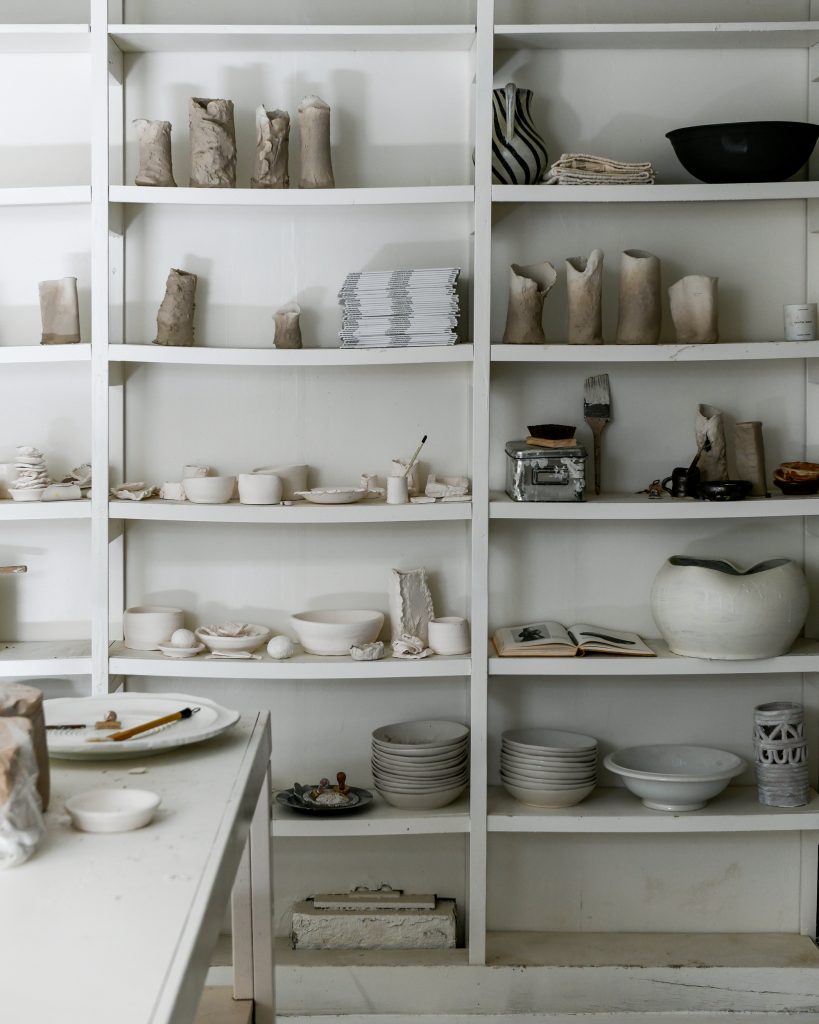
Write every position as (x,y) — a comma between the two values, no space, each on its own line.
(377,819)
(307,357)
(615,810)
(253,38)
(44,658)
(388,196)
(679,950)
(45,353)
(730,351)
(803,657)
(302,513)
(123,661)
(631,507)
(11,510)
(688,193)
(45,38)
(45,195)
(659,36)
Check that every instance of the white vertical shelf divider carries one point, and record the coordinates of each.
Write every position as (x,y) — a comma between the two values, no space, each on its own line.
(481,290)
(99,346)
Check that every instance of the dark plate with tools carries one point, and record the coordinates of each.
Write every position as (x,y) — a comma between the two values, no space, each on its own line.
(359,799)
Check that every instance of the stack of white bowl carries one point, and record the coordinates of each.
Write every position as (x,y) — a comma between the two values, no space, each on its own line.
(419,766)
(548,767)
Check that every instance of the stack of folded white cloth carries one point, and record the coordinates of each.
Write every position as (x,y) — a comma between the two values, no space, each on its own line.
(582,169)
(399,308)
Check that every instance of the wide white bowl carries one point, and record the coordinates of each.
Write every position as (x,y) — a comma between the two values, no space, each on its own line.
(578,777)
(419,737)
(235,644)
(548,797)
(398,785)
(548,741)
(293,478)
(112,810)
(146,627)
(334,631)
(550,760)
(209,490)
(675,777)
(421,801)
(417,766)
(539,784)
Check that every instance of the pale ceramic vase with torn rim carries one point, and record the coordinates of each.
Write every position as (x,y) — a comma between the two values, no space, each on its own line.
(528,288)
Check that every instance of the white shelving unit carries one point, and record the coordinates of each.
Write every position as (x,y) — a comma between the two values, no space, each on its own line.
(530,882)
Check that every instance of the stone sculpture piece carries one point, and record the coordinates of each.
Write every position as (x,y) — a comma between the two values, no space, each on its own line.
(272,149)
(155,162)
(213,143)
(174,321)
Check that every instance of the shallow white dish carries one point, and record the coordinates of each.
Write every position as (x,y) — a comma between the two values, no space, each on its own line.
(675,777)
(209,490)
(132,709)
(548,797)
(417,766)
(232,644)
(420,736)
(537,784)
(178,653)
(26,493)
(421,801)
(112,810)
(332,495)
(334,631)
(548,741)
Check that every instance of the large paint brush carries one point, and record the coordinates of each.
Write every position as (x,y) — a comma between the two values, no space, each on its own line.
(597,413)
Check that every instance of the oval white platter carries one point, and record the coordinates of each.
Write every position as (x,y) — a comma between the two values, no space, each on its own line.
(333,495)
(132,709)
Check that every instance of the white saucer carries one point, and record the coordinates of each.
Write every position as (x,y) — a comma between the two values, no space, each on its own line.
(171,651)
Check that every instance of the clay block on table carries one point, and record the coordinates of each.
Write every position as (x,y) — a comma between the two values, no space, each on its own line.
(374,929)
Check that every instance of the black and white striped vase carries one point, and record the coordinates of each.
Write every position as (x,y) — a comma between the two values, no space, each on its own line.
(519,154)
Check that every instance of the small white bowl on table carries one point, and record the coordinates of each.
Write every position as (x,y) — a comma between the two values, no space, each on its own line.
(112,810)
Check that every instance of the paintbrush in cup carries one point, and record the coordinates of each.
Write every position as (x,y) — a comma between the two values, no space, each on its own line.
(417,452)
(597,413)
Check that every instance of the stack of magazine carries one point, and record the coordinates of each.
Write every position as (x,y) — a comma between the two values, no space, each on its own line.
(399,308)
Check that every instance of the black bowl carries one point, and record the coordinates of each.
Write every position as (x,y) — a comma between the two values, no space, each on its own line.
(724,490)
(744,150)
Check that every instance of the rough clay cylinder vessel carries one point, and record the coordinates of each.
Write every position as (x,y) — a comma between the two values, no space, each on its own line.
(213,143)
(528,288)
(155,164)
(749,456)
(272,149)
(288,331)
(708,608)
(640,310)
(710,428)
(693,302)
(174,321)
(584,287)
(59,311)
(314,125)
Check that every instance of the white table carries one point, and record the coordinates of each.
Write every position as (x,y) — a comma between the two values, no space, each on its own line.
(101,928)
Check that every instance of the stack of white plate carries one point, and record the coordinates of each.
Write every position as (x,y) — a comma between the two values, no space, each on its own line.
(419,766)
(548,767)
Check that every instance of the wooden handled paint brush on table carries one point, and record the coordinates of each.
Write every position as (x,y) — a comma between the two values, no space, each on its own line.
(155,723)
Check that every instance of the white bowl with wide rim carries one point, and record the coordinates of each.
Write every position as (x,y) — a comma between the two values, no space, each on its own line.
(548,741)
(421,801)
(578,777)
(256,636)
(673,776)
(402,786)
(333,631)
(552,798)
(416,766)
(209,490)
(421,736)
(112,810)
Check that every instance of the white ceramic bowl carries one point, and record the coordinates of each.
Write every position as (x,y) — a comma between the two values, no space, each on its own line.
(293,478)
(180,653)
(415,766)
(260,489)
(675,777)
(449,635)
(399,785)
(145,627)
(27,493)
(112,810)
(334,631)
(538,785)
(235,644)
(551,741)
(548,797)
(425,733)
(570,777)
(421,801)
(209,490)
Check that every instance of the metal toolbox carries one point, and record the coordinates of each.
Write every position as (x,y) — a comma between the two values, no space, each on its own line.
(545,474)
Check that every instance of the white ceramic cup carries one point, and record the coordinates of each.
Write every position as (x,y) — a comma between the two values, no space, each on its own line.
(449,635)
(293,478)
(189,472)
(397,490)
(148,626)
(800,322)
(260,489)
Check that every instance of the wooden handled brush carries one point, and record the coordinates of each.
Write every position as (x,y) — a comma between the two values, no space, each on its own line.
(597,413)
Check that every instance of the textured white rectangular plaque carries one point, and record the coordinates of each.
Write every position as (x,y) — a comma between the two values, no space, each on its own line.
(374,929)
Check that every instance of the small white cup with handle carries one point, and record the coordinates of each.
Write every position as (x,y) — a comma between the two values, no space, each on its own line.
(449,635)
(259,489)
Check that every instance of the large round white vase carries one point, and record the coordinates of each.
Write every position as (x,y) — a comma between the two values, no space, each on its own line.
(707,608)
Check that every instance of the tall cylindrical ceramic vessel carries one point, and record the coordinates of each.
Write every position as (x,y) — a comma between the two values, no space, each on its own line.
(640,311)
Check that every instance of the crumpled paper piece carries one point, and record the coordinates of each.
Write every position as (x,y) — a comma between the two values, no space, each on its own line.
(81,476)
(447,486)
(411,647)
(134,491)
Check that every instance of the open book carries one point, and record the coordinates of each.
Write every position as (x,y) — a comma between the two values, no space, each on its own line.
(551,640)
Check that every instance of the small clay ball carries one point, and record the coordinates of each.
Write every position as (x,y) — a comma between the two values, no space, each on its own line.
(280,647)
(183,638)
